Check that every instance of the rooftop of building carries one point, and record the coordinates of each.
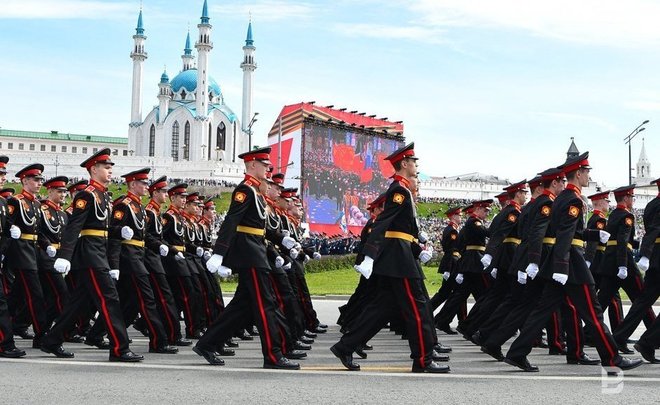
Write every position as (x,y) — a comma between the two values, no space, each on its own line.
(57,136)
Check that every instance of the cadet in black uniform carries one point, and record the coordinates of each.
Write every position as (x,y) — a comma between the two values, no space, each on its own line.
(241,247)
(388,253)
(84,250)
(449,261)
(567,275)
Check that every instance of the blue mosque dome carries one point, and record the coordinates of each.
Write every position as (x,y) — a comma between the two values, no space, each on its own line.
(188,80)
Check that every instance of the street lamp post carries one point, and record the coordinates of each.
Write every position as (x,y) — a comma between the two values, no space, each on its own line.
(627,140)
(56,164)
(217,153)
(203,150)
(249,130)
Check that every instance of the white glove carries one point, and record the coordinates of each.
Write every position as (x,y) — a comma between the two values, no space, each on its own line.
(298,246)
(207,255)
(366,267)
(459,278)
(423,237)
(126,232)
(293,253)
(15,232)
(223,271)
(522,277)
(446,275)
(199,251)
(114,274)
(425,256)
(210,271)
(532,270)
(560,278)
(588,264)
(486,260)
(604,236)
(286,233)
(288,242)
(214,264)
(51,251)
(179,256)
(62,265)
(623,272)
(279,262)
(287,266)
(317,256)
(306,259)
(493,273)
(164,250)
(643,263)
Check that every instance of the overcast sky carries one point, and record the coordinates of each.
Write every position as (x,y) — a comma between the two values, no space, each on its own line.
(497,87)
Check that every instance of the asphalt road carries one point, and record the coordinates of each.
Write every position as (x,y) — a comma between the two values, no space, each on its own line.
(385,377)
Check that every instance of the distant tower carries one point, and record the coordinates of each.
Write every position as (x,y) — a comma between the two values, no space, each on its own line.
(248,66)
(203,46)
(164,97)
(643,164)
(187,56)
(572,150)
(139,56)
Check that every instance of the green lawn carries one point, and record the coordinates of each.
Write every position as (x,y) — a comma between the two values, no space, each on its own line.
(343,282)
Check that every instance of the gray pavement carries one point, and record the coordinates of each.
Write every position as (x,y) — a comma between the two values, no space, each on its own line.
(385,377)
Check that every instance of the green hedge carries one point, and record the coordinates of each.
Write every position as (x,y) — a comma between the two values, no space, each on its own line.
(335,262)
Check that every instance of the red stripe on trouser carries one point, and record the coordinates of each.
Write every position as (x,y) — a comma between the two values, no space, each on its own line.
(615,304)
(58,300)
(189,320)
(283,340)
(205,298)
(262,312)
(638,281)
(597,324)
(418,319)
(28,295)
(277,292)
(576,326)
(308,316)
(106,314)
(161,298)
(555,326)
(145,315)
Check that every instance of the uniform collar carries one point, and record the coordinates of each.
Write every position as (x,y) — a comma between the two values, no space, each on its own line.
(549,193)
(28,196)
(52,205)
(622,207)
(97,185)
(453,224)
(154,204)
(404,182)
(134,198)
(175,209)
(251,181)
(599,213)
(574,189)
(515,205)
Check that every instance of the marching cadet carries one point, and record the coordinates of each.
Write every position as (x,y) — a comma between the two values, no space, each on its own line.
(389,255)
(206,225)
(7,346)
(568,278)
(240,246)
(128,255)
(650,263)
(84,251)
(448,263)
(179,275)
(24,213)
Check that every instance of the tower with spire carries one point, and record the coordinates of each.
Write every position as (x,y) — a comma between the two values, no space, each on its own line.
(203,46)
(164,97)
(187,57)
(572,150)
(643,167)
(139,56)
(248,66)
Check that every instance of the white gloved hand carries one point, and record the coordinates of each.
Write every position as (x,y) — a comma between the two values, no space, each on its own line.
(623,272)
(316,256)
(127,232)
(459,278)
(522,277)
(62,265)
(207,255)
(288,242)
(306,259)
(643,263)
(366,267)
(423,237)
(493,273)
(425,256)
(51,251)
(199,251)
(486,260)
(298,246)
(286,233)
(446,275)
(164,250)
(279,262)
(560,278)
(293,253)
(287,266)
(532,270)
(15,232)
(114,274)
(223,271)
(604,236)
(214,263)
(588,264)
(179,256)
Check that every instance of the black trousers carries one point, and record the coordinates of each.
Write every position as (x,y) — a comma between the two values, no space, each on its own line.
(166,307)
(443,294)
(473,283)
(56,294)
(253,298)
(136,296)
(632,285)
(364,293)
(288,305)
(87,312)
(583,298)
(311,319)
(186,299)
(353,300)
(394,296)
(27,290)
(6,333)
(486,305)
(95,285)
(642,307)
